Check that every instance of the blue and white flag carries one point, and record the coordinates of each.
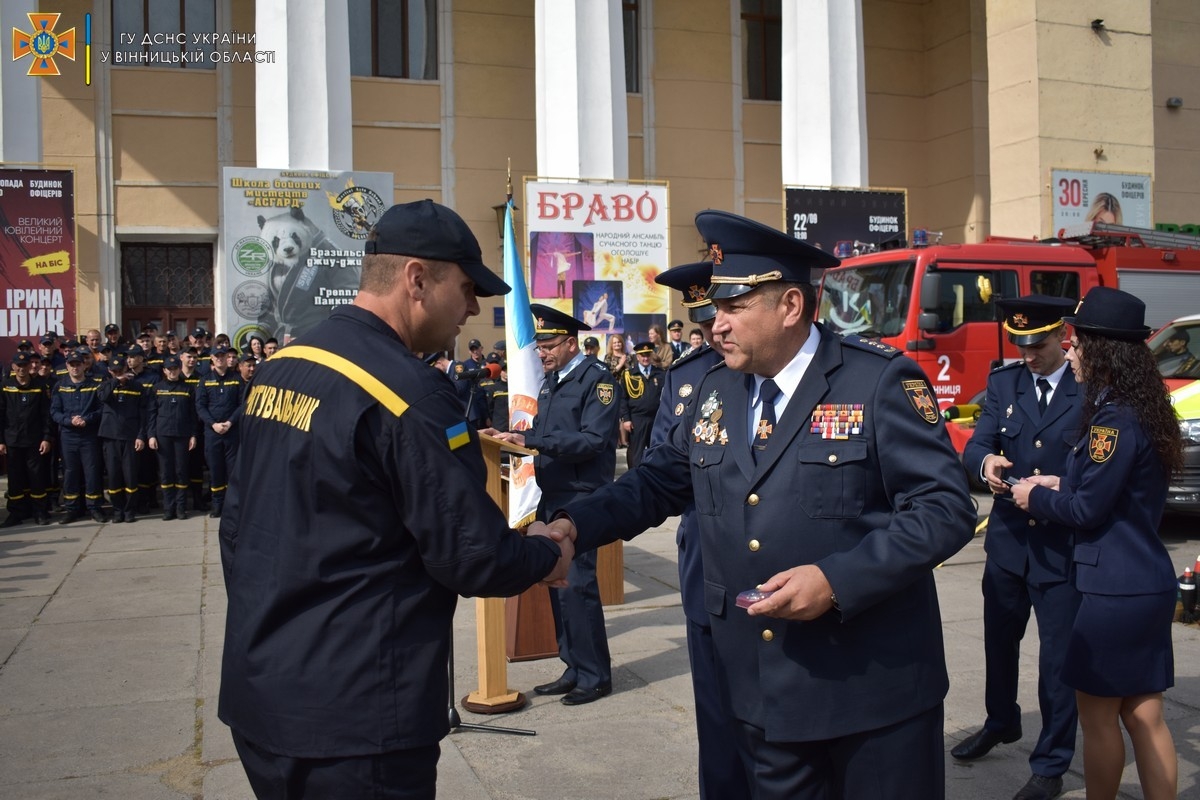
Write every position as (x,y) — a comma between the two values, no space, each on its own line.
(525,377)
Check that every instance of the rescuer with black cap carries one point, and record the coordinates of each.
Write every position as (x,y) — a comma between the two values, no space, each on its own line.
(1029,420)
(826,491)
(357,514)
(575,434)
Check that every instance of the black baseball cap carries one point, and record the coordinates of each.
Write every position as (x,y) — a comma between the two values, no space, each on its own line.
(221,350)
(426,229)
(112,327)
(21,358)
(135,350)
(471,345)
(172,362)
(591,341)
(247,357)
(79,354)
(117,362)
(199,333)
(49,340)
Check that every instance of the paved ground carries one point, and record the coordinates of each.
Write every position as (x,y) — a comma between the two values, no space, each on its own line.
(110,643)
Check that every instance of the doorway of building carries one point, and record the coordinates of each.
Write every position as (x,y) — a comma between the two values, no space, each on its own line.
(167,283)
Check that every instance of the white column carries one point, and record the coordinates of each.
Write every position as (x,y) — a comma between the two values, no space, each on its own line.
(582,119)
(302,101)
(20,94)
(824,114)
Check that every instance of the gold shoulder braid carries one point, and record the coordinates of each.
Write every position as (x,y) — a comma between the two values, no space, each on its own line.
(635,384)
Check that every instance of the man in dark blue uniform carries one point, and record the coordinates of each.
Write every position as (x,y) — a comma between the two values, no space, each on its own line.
(641,387)
(173,429)
(1028,425)
(575,434)
(122,436)
(25,441)
(824,479)
(76,408)
(218,404)
(722,776)
(360,492)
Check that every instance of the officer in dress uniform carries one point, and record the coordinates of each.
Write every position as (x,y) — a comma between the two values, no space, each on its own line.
(218,404)
(25,440)
(1029,422)
(76,408)
(334,676)
(122,436)
(824,479)
(722,776)
(675,338)
(575,434)
(641,386)
(173,428)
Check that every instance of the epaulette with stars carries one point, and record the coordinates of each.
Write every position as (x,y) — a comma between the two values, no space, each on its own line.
(871,346)
(1009,365)
(688,357)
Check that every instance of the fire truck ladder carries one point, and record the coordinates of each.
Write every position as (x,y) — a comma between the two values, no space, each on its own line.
(1106,234)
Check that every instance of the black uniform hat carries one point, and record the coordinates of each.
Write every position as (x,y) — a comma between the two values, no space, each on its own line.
(500,345)
(112,327)
(746,254)
(199,333)
(471,345)
(644,349)
(1110,313)
(172,362)
(21,358)
(150,327)
(78,354)
(49,340)
(675,325)
(1032,318)
(551,322)
(24,344)
(591,341)
(248,357)
(694,281)
(135,350)
(426,229)
(221,350)
(117,362)
(494,358)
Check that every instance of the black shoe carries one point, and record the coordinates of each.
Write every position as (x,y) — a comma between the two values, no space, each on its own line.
(215,513)
(42,519)
(130,516)
(12,521)
(979,744)
(579,696)
(168,514)
(99,516)
(181,513)
(71,516)
(1039,787)
(117,518)
(560,686)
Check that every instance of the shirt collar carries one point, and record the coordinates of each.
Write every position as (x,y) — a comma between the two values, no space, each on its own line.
(575,362)
(790,376)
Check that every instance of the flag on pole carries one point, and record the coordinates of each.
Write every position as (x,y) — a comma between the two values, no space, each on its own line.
(524,376)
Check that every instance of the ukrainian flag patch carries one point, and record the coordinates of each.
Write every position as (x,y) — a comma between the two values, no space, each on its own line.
(458,435)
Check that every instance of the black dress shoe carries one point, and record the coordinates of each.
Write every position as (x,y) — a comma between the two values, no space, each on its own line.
(560,686)
(168,514)
(979,744)
(578,696)
(71,516)
(1039,787)
(130,516)
(215,513)
(99,516)
(43,519)
(181,513)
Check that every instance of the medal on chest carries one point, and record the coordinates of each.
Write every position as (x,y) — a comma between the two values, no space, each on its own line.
(708,428)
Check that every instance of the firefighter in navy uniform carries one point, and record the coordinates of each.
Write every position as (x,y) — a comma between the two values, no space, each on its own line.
(334,677)
(575,434)
(122,436)
(147,463)
(218,404)
(722,776)
(823,478)
(189,374)
(641,385)
(25,440)
(75,406)
(173,430)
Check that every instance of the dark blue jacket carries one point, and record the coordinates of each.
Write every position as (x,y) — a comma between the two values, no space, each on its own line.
(218,399)
(123,410)
(171,410)
(69,399)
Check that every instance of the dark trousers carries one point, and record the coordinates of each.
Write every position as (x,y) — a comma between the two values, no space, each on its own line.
(82,470)
(639,440)
(173,470)
(1007,600)
(196,472)
(219,451)
(398,775)
(722,776)
(26,482)
(903,760)
(579,625)
(120,465)
(147,468)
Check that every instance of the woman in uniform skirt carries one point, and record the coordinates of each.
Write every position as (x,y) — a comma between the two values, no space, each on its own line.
(1119,658)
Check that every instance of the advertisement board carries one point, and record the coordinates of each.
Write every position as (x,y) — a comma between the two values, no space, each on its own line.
(1078,198)
(37,255)
(867,219)
(292,244)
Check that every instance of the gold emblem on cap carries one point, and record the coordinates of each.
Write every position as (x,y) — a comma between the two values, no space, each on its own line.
(714,253)
(1020,320)
(696,293)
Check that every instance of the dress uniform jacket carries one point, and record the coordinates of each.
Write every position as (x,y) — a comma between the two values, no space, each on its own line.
(1036,444)
(358,513)
(640,409)
(875,505)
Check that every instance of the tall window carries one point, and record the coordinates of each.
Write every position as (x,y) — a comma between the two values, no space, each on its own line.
(147,32)
(167,275)
(394,38)
(630,24)
(762,43)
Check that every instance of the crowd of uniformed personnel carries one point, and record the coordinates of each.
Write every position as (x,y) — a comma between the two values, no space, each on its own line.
(140,419)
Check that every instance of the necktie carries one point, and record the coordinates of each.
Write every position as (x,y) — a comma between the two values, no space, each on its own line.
(1044,399)
(766,418)
(552,380)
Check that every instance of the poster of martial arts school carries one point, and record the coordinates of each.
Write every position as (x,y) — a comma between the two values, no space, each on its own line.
(292,245)
(595,248)
(37,255)
(1080,198)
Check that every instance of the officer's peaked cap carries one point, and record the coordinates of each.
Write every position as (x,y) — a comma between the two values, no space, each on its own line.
(693,280)
(1030,319)
(551,323)
(746,254)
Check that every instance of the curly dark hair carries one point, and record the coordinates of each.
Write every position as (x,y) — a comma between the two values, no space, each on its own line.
(1128,373)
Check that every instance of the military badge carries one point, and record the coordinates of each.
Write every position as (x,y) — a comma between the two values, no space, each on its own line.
(685,390)
(1008,411)
(708,429)
(1102,443)
(679,410)
(458,369)
(714,253)
(837,420)
(604,393)
(921,399)
(1020,320)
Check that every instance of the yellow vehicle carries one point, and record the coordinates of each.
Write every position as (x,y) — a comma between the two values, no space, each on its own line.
(1184,493)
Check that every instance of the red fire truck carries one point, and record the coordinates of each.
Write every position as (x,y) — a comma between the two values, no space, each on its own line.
(937,303)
